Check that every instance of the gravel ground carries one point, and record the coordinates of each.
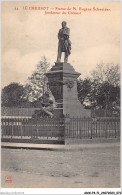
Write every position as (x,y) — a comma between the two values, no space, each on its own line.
(95,167)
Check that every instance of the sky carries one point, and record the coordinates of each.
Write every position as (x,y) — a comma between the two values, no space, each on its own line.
(27,35)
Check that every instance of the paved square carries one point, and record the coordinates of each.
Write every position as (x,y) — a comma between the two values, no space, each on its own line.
(87,167)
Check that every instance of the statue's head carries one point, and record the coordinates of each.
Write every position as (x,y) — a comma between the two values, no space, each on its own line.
(47,93)
(64,24)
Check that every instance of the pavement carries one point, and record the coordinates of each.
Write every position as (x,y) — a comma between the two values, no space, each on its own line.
(86,144)
(93,165)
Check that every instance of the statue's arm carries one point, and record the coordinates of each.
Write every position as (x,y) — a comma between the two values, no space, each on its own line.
(67,33)
(59,35)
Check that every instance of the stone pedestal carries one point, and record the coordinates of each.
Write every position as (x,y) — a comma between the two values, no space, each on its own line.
(62,81)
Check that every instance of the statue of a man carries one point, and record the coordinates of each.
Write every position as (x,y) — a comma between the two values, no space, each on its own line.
(48,104)
(64,44)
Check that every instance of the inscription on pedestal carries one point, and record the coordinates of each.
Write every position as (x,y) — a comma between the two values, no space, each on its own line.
(56,90)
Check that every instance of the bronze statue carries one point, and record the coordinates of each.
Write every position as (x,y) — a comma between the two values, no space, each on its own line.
(48,105)
(64,44)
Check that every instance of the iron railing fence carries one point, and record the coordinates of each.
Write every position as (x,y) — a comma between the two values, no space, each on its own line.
(106,127)
(31,128)
(47,128)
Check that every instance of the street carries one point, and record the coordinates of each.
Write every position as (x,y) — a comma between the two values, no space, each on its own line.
(95,167)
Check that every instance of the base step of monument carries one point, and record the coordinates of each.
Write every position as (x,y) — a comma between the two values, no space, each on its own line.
(33,141)
(75,141)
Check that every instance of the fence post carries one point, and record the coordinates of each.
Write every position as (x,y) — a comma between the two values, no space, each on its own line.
(92,126)
(105,127)
(115,127)
(21,129)
(32,131)
(67,129)
(62,128)
(12,132)
(64,133)
(5,129)
(65,126)
(91,130)
(37,133)
(2,126)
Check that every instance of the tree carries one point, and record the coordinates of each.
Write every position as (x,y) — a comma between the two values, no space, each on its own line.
(102,88)
(106,73)
(35,85)
(84,88)
(103,95)
(105,85)
(12,95)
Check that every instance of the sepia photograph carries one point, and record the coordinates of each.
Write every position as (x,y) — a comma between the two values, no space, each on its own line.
(60,94)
